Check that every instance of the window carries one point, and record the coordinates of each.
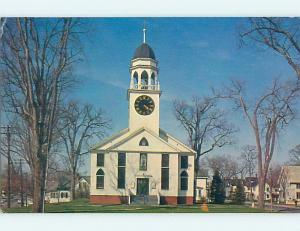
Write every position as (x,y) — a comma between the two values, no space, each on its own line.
(298,195)
(297,186)
(184,162)
(100,179)
(184,180)
(144,79)
(152,79)
(144,142)
(143,161)
(63,195)
(121,170)
(121,159)
(100,159)
(135,78)
(165,171)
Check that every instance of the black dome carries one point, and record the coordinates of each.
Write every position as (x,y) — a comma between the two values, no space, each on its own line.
(144,51)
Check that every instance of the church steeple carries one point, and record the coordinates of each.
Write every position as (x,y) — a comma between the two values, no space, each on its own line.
(144,90)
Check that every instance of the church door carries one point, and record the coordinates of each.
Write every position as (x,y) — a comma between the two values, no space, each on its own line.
(142,186)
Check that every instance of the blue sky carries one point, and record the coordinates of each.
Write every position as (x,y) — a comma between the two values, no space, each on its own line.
(194,54)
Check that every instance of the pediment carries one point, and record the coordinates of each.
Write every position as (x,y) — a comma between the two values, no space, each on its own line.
(132,143)
(142,140)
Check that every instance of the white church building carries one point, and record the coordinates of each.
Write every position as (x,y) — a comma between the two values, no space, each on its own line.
(142,163)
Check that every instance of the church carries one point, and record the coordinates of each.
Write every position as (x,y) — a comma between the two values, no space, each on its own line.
(142,164)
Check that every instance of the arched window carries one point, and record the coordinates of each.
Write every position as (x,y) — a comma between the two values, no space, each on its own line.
(135,79)
(144,142)
(153,79)
(184,180)
(100,179)
(144,80)
(143,161)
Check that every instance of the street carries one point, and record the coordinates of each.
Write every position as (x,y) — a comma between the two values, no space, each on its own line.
(283,208)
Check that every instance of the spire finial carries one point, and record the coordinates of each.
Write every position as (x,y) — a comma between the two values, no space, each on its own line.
(144,33)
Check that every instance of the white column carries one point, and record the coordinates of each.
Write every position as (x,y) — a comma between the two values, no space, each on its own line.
(131,82)
(149,80)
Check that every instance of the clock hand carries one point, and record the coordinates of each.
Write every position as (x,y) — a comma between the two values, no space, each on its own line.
(146,107)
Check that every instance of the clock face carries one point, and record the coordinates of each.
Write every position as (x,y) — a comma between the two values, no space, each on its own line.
(144,105)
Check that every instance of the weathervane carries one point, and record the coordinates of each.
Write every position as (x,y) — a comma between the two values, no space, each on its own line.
(144,32)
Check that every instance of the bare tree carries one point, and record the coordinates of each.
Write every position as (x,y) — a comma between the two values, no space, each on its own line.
(227,166)
(271,112)
(205,124)
(280,34)
(36,60)
(80,123)
(2,23)
(273,175)
(295,155)
(283,182)
(249,159)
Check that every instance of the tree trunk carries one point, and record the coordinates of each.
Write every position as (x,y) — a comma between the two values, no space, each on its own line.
(261,192)
(197,169)
(73,182)
(37,184)
(261,179)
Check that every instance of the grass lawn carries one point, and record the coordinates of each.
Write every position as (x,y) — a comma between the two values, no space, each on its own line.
(83,206)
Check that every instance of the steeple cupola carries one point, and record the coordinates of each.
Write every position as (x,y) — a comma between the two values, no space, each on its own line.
(143,68)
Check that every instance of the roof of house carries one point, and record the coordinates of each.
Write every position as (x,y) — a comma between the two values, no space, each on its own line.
(86,178)
(251,181)
(292,172)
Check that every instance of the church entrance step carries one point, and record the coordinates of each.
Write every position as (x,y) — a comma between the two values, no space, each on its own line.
(143,200)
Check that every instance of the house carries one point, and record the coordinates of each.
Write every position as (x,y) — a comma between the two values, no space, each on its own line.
(289,184)
(58,189)
(251,189)
(142,163)
(82,187)
(201,190)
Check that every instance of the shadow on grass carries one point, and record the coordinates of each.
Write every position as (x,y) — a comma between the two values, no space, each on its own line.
(83,206)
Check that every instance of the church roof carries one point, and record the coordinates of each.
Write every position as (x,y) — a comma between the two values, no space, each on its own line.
(126,141)
(144,51)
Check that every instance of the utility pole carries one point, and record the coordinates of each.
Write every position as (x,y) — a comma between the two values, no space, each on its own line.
(9,163)
(8,135)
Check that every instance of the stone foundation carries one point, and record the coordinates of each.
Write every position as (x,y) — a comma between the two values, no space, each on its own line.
(115,200)
(108,199)
(174,200)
